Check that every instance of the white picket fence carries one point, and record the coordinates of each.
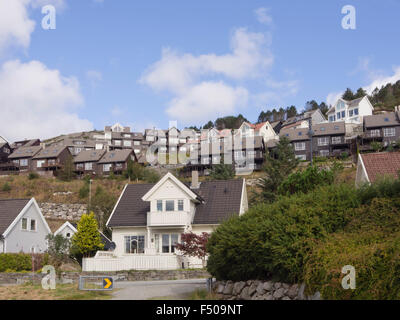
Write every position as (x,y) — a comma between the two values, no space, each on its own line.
(132,262)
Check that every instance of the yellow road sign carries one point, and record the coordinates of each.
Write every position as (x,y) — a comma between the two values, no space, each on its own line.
(107,283)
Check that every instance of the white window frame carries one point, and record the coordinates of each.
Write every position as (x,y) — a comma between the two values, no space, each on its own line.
(23,162)
(375,133)
(88,165)
(324,153)
(107,167)
(336,140)
(300,146)
(323,141)
(302,157)
(389,132)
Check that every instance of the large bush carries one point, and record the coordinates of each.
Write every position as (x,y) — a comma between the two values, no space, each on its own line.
(15,262)
(274,239)
(371,244)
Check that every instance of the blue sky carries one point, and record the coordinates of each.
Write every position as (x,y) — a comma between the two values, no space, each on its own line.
(144,63)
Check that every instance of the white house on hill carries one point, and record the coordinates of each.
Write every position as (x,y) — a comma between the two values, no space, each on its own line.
(350,111)
(148,220)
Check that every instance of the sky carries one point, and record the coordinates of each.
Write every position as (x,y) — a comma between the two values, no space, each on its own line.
(146,63)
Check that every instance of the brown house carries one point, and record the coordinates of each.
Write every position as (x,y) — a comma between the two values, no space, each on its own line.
(383,128)
(115,161)
(300,141)
(5,151)
(329,139)
(21,159)
(86,162)
(25,143)
(51,159)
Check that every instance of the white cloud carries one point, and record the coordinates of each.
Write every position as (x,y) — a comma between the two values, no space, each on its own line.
(15,25)
(333,97)
(191,79)
(59,4)
(38,102)
(206,100)
(94,77)
(381,80)
(263,16)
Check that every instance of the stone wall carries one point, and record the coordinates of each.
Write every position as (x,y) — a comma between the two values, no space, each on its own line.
(73,277)
(261,290)
(71,212)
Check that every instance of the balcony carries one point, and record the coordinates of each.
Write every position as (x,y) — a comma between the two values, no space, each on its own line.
(165,219)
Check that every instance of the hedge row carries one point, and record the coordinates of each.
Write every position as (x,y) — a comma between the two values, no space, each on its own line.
(15,262)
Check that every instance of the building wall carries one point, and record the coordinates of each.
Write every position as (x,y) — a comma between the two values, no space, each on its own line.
(20,240)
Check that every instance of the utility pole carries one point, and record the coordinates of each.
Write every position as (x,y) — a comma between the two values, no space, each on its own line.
(90,195)
(310,134)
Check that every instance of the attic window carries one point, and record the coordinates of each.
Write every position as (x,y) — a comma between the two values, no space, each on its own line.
(322,129)
(336,128)
(300,133)
(386,119)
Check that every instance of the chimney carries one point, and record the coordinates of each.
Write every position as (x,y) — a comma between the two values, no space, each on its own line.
(195,180)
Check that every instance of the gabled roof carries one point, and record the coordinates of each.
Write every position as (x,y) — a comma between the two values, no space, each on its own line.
(221,199)
(116,156)
(9,210)
(381,120)
(53,151)
(329,128)
(89,156)
(380,164)
(170,176)
(66,224)
(295,134)
(25,152)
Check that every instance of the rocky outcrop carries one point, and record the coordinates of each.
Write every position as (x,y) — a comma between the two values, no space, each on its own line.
(71,212)
(261,290)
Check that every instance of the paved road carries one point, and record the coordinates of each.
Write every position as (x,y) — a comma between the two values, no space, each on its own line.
(144,290)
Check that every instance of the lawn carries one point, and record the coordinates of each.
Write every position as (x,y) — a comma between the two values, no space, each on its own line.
(62,292)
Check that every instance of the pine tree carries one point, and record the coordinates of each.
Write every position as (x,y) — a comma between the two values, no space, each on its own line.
(348,95)
(87,240)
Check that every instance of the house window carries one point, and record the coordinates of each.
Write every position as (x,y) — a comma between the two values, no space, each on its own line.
(324,153)
(136,143)
(88,166)
(300,146)
(343,114)
(323,141)
(301,157)
(117,142)
(79,165)
(40,163)
(338,115)
(332,118)
(33,225)
(51,162)
(24,224)
(78,150)
(356,112)
(351,113)
(23,162)
(375,133)
(169,205)
(180,205)
(336,140)
(134,244)
(127,143)
(169,242)
(389,132)
(159,205)
(107,167)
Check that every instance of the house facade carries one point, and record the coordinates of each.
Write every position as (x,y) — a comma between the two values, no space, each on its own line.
(22,226)
(87,161)
(148,220)
(300,140)
(115,161)
(21,159)
(350,111)
(329,140)
(51,159)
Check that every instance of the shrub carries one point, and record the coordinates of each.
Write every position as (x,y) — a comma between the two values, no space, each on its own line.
(274,239)
(15,261)
(33,176)
(84,191)
(6,187)
(386,187)
(304,181)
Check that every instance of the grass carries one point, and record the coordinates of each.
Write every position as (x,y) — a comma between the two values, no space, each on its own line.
(31,291)
(201,294)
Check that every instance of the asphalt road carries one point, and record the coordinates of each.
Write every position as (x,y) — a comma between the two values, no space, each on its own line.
(144,290)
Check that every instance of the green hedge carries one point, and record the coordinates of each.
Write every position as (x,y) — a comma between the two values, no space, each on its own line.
(15,261)
(274,239)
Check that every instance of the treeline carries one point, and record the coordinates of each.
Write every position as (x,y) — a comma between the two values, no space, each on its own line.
(385,98)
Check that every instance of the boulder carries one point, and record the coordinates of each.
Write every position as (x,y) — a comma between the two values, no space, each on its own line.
(228,288)
(268,286)
(252,288)
(221,287)
(268,296)
(238,287)
(300,294)
(286,298)
(279,293)
(292,292)
(277,285)
(260,288)
(245,294)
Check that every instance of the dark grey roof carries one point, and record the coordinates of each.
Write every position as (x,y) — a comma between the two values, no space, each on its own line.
(9,210)
(295,134)
(25,152)
(332,128)
(53,151)
(89,156)
(381,120)
(221,199)
(116,156)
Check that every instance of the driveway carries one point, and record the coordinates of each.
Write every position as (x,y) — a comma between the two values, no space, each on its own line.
(144,290)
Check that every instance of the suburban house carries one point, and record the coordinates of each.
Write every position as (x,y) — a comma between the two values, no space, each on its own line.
(384,128)
(115,161)
(302,121)
(76,146)
(373,166)
(5,151)
(22,227)
(148,220)
(51,159)
(277,126)
(86,162)
(21,158)
(25,143)
(300,140)
(248,154)
(263,130)
(329,139)
(68,229)
(350,111)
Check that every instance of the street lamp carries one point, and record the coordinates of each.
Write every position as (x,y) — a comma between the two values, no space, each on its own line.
(310,134)
(90,194)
